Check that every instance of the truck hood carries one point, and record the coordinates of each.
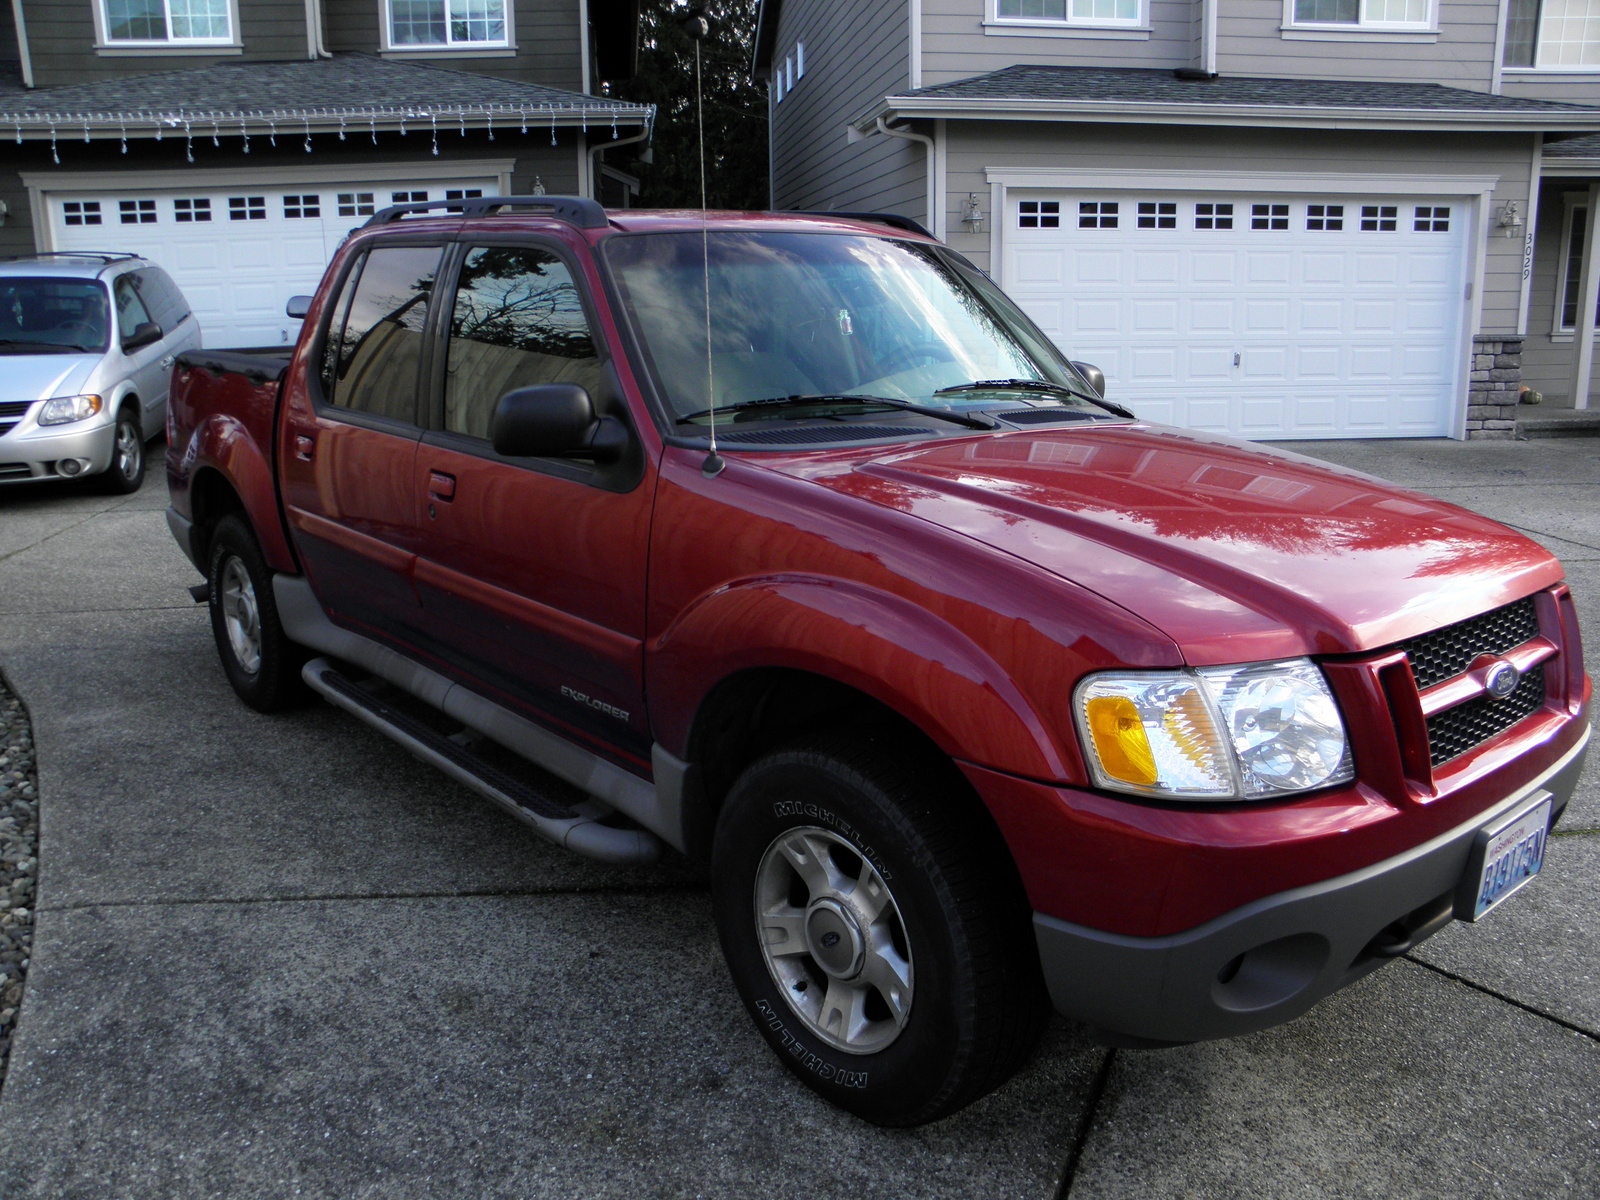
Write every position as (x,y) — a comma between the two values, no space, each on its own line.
(44,376)
(1237,552)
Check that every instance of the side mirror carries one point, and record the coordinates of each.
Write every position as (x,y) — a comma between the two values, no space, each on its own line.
(144,334)
(554,420)
(1094,376)
(298,307)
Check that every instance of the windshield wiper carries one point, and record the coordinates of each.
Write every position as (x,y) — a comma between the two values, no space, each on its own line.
(800,401)
(1034,385)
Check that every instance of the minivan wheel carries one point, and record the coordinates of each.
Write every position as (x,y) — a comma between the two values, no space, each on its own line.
(126,472)
(875,928)
(258,658)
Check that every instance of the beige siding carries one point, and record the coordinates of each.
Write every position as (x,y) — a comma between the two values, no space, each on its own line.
(1251,41)
(955,44)
(851,64)
(1568,89)
(976,146)
(1546,362)
(546,34)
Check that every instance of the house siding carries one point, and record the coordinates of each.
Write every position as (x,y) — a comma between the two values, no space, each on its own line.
(955,44)
(851,64)
(61,39)
(1546,362)
(1568,89)
(545,34)
(975,147)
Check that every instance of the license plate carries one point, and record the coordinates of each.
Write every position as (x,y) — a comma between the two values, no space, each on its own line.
(1504,856)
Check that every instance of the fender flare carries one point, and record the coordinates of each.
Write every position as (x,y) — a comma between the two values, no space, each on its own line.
(882,645)
(223,444)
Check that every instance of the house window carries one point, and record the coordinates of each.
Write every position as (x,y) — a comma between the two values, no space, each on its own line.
(1213,216)
(466,23)
(1039,214)
(1097,214)
(148,22)
(81,212)
(1431,219)
(137,212)
(247,208)
(1072,12)
(1570,275)
(1378,218)
(302,206)
(1269,216)
(1326,217)
(188,211)
(1553,33)
(356,204)
(1158,214)
(1363,14)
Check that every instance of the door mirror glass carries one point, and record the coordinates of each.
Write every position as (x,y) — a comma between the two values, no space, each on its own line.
(549,420)
(298,307)
(1093,376)
(144,334)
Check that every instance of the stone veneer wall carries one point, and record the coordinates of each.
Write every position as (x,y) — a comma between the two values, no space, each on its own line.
(1496,387)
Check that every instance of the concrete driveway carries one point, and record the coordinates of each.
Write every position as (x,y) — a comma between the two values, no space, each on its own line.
(276,957)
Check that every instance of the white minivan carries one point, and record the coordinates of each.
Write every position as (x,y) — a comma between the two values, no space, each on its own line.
(87,342)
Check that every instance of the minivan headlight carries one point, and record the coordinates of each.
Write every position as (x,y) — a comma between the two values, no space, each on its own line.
(63,410)
(1215,734)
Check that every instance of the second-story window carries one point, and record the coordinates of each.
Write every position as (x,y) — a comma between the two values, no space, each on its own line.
(1071,12)
(467,24)
(167,22)
(1373,14)
(1553,34)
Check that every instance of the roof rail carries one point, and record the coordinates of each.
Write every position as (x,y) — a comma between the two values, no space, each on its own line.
(893,220)
(108,256)
(575,210)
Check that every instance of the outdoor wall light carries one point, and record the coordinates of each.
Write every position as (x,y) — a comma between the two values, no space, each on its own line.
(1508,219)
(972,216)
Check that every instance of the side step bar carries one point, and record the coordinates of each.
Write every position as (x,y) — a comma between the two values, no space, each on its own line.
(575,828)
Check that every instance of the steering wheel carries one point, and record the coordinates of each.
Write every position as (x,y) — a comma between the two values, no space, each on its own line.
(919,354)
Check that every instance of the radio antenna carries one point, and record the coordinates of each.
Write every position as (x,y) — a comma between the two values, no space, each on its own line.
(698,26)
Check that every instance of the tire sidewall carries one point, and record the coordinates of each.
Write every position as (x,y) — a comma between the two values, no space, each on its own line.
(260,688)
(800,789)
(113,479)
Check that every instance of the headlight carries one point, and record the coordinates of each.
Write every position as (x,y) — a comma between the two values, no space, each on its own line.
(1216,734)
(63,410)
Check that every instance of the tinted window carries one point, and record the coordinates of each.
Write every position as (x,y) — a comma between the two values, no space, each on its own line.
(517,321)
(162,297)
(377,347)
(46,316)
(131,312)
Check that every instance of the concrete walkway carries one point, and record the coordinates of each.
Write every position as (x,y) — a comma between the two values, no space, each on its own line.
(276,957)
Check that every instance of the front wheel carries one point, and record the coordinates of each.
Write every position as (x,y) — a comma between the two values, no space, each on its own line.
(875,928)
(126,472)
(258,658)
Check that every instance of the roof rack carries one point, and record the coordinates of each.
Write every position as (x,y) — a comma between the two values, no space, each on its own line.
(107,256)
(893,220)
(575,210)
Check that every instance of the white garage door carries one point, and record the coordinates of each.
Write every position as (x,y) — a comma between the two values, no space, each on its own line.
(1260,316)
(240,252)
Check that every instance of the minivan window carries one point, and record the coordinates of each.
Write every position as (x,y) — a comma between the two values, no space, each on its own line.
(131,312)
(52,316)
(376,348)
(161,296)
(518,321)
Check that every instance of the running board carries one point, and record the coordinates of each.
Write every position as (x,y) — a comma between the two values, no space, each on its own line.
(574,829)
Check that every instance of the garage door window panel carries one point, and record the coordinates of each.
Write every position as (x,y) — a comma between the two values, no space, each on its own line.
(377,349)
(166,22)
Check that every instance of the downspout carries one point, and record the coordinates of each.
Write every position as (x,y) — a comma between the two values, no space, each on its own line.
(933,205)
(583,46)
(914,62)
(1208,36)
(22,43)
(316,46)
(596,151)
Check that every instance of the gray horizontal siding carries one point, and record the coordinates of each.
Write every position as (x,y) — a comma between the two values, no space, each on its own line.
(853,59)
(1546,363)
(61,41)
(1568,89)
(955,45)
(545,31)
(1251,41)
(977,146)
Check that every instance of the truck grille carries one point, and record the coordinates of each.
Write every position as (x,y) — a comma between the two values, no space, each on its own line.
(1445,653)
(1457,730)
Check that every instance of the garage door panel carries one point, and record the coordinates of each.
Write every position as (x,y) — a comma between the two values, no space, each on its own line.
(1097,267)
(1040,266)
(1152,268)
(1323,364)
(1319,267)
(1374,270)
(1092,317)
(1267,267)
(1211,267)
(1155,316)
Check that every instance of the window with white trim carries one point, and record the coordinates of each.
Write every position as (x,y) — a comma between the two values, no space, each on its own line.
(1553,34)
(447,24)
(1375,15)
(1569,276)
(1129,13)
(166,22)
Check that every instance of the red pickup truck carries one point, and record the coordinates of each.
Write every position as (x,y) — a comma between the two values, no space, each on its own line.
(791,544)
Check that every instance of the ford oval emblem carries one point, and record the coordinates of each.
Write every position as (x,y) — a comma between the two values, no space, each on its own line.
(1502,680)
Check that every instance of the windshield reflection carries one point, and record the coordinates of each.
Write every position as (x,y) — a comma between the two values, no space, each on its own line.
(52,316)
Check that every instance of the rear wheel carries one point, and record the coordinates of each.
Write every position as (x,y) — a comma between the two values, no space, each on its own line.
(126,472)
(876,929)
(258,658)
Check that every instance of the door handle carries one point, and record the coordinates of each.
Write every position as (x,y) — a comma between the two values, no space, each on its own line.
(441,486)
(167,361)
(303,447)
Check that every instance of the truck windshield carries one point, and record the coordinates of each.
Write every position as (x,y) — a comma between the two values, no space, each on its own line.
(826,315)
(52,316)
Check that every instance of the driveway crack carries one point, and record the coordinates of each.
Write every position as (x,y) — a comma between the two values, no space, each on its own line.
(1091,1110)
(1511,1000)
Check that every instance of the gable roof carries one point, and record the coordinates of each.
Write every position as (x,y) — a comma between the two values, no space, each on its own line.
(1143,94)
(318,95)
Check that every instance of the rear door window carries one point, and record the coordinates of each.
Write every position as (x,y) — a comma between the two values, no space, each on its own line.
(161,297)
(375,344)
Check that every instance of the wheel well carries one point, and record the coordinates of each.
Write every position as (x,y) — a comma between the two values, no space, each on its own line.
(131,401)
(211,497)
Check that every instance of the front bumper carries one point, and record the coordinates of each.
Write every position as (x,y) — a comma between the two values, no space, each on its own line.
(31,452)
(1272,959)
